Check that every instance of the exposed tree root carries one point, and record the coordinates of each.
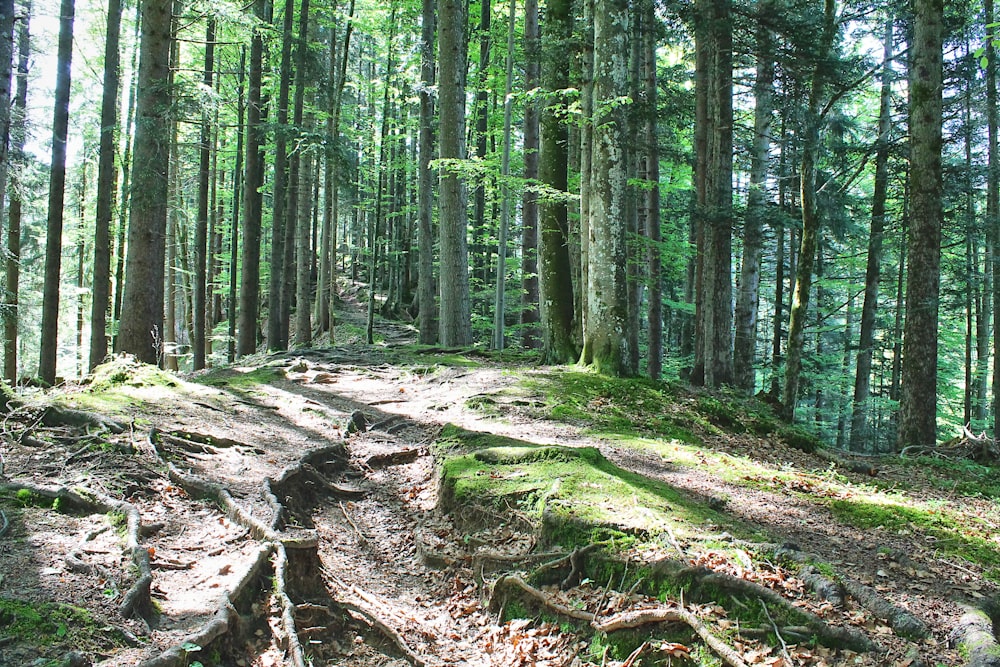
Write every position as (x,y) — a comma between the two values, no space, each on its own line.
(290,638)
(903,623)
(825,588)
(395,458)
(968,445)
(625,620)
(54,415)
(4,523)
(974,638)
(136,602)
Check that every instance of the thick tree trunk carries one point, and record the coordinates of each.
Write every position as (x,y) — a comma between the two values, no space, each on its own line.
(455,319)
(13,262)
(303,253)
(252,196)
(500,302)
(531,336)
(747,299)
(57,185)
(298,264)
(866,338)
(918,404)
(142,303)
(554,271)
(6,66)
(606,342)
(126,175)
(478,252)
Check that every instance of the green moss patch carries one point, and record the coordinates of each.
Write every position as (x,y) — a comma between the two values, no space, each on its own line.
(47,624)
(951,535)
(574,492)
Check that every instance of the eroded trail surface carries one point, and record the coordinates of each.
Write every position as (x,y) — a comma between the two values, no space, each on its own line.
(286,511)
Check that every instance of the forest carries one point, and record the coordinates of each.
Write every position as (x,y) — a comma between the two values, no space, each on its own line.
(785,198)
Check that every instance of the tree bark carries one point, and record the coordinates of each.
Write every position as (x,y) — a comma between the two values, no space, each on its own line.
(654,364)
(606,341)
(748,297)
(200,300)
(554,271)
(993,201)
(425,190)
(866,338)
(297,236)
(918,404)
(57,186)
(500,302)
(252,197)
(810,215)
(531,336)
(13,262)
(455,319)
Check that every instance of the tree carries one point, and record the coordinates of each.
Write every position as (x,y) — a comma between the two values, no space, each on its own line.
(866,337)
(200,300)
(810,212)
(606,340)
(107,182)
(747,300)
(714,142)
(918,404)
(141,327)
(253,181)
(425,195)
(455,317)
(530,334)
(17,160)
(57,194)
(558,318)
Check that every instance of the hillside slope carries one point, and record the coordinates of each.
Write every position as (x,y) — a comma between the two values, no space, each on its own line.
(397,505)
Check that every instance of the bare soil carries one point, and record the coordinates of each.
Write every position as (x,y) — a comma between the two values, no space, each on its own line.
(373,573)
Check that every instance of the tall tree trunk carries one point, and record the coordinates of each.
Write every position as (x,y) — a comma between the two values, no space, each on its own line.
(13,261)
(57,185)
(107,183)
(747,299)
(606,343)
(252,197)
(234,228)
(530,333)
(866,338)
(425,190)
(478,251)
(810,215)
(918,404)
(993,200)
(500,302)
(142,303)
(297,222)
(200,300)
(455,318)
(81,267)
(303,251)
(654,364)
(124,200)
(554,272)
(6,66)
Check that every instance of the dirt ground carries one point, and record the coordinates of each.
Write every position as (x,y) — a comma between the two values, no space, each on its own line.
(374,574)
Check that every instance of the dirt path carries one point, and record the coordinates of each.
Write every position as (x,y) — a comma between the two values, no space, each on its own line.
(375,575)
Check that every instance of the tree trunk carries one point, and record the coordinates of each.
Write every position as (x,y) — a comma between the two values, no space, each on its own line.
(866,339)
(277,315)
(478,251)
(531,336)
(57,185)
(654,365)
(126,175)
(606,342)
(500,302)
(918,404)
(993,201)
(252,197)
(303,252)
(107,182)
(6,65)
(554,272)
(747,299)
(13,263)
(299,221)
(810,217)
(455,319)
(81,275)
(425,189)
(234,228)
(200,300)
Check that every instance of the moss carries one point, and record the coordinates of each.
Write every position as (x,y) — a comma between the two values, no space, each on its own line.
(126,371)
(47,624)
(249,380)
(797,437)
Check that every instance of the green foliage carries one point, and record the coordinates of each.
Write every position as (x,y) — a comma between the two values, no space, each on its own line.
(48,624)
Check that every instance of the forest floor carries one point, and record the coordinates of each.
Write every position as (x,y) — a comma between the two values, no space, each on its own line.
(239,516)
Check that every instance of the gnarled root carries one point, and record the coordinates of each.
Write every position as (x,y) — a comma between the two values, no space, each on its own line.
(973,637)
